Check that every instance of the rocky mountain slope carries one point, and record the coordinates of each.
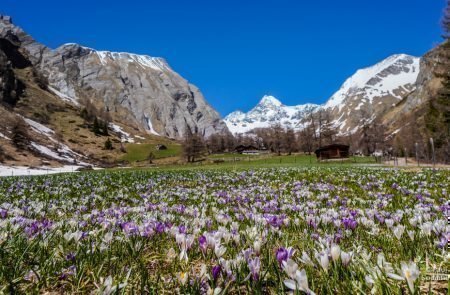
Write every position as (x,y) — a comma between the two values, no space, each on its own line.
(140,91)
(425,112)
(367,94)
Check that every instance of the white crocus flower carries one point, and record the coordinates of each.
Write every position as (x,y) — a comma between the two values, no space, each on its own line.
(290,267)
(346,257)
(306,259)
(426,228)
(299,282)
(324,261)
(389,222)
(335,252)
(398,231)
(219,250)
(409,272)
(257,247)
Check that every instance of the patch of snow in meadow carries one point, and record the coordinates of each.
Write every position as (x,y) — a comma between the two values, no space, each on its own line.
(39,128)
(22,170)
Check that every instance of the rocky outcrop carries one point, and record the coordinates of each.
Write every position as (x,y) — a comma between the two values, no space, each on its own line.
(11,88)
(137,90)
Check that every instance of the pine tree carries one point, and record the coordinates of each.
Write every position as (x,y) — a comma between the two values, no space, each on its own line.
(96,127)
(20,137)
(108,145)
(105,128)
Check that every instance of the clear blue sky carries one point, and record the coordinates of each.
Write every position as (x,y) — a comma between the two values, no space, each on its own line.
(236,51)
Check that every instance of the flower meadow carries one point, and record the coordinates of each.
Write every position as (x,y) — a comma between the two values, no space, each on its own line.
(320,230)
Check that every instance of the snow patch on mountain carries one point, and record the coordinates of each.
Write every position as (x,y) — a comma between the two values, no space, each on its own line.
(64,96)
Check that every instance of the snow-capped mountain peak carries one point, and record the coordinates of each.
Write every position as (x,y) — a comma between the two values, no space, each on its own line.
(269,100)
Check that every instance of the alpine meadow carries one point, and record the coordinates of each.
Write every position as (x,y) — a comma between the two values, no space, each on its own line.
(118,175)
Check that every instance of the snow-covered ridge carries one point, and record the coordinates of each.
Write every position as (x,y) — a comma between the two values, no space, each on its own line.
(145,61)
(378,80)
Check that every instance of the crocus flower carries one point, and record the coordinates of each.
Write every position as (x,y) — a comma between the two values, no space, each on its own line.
(335,252)
(398,231)
(306,259)
(324,261)
(182,278)
(202,243)
(219,250)
(290,267)
(284,254)
(216,271)
(409,272)
(255,267)
(346,257)
(299,281)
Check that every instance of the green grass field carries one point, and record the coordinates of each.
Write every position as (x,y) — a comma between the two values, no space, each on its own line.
(269,161)
(140,152)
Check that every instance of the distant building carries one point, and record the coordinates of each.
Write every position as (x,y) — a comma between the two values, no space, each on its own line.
(160,147)
(241,148)
(333,151)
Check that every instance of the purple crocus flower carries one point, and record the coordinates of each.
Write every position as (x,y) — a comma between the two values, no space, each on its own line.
(3,213)
(284,254)
(160,227)
(182,229)
(203,243)
(216,271)
(349,223)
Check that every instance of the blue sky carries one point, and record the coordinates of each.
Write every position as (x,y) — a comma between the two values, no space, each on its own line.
(236,51)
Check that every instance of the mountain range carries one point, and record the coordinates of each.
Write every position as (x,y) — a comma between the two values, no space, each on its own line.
(370,91)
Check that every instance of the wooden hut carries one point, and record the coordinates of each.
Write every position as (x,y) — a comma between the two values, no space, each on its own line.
(333,151)
(160,147)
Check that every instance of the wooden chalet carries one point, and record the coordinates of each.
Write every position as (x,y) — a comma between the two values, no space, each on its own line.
(333,151)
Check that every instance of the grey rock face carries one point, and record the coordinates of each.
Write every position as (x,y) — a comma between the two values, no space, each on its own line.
(427,84)
(138,90)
